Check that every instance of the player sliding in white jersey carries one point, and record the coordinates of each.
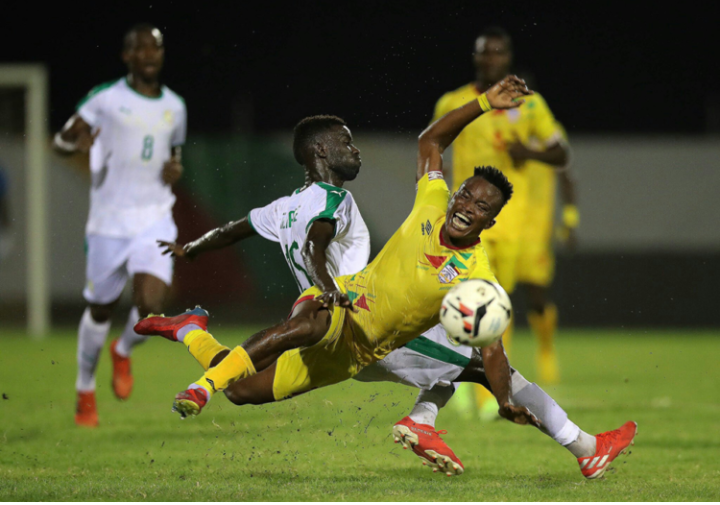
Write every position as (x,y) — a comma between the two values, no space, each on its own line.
(323,235)
(133,128)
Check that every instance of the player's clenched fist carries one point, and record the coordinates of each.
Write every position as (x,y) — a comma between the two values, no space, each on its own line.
(505,94)
(171,172)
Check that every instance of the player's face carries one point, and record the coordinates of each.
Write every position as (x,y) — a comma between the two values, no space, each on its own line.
(493,57)
(145,54)
(472,209)
(342,156)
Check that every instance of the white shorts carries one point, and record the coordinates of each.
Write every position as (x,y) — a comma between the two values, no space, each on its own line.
(429,360)
(112,261)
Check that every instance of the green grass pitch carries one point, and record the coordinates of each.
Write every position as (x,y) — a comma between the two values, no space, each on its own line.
(335,444)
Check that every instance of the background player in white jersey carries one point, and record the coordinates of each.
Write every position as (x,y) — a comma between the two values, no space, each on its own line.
(322,221)
(133,128)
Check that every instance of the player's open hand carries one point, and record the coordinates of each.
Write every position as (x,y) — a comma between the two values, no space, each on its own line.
(518,415)
(173,249)
(171,172)
(507,93)
(336,298)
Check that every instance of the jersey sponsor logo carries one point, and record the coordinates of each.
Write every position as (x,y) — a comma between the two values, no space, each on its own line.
(513,115)
(435,175)
(291,218)
(426,228)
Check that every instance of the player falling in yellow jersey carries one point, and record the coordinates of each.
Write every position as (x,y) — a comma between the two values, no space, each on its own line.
(504,139)
(396,297)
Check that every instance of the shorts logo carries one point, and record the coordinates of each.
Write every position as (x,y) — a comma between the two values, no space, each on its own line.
(426,228)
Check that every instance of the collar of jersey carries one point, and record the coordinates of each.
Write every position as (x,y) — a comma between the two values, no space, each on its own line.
(162,92)
(450,246)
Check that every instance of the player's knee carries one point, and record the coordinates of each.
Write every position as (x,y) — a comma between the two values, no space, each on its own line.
(236,397)
(101,313)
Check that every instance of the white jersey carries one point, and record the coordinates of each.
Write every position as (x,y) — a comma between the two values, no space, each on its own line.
(288,219)
(136,136)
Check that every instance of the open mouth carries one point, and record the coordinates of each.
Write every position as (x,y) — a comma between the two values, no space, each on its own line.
(460,221)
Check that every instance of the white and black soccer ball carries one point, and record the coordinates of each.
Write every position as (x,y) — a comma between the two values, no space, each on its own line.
(476,312)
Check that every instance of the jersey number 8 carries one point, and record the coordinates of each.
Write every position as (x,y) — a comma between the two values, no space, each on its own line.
(147,150)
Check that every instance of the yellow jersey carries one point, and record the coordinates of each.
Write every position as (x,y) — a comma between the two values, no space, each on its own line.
(398,295)
(484,142)
(542,183)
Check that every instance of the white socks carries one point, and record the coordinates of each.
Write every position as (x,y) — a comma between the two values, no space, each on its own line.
(129,338)
(429,402)
(554,419)
(91,338)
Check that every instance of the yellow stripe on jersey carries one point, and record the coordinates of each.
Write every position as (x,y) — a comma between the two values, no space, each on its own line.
(398,295)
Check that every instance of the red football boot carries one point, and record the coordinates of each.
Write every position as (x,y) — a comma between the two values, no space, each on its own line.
(428,446)
(168,326)
(122,380)
(190,402)
(609,445)
(86,412)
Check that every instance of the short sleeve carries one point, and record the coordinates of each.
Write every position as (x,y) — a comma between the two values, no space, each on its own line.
(180,130)
(432,191)
(337,208)
(544,127)
(482,268)
(90,107)
(265,220)
(442,107)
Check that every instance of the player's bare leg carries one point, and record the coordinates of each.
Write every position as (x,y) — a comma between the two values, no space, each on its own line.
(94,328)
(542,318)
(307,326)
(149,294)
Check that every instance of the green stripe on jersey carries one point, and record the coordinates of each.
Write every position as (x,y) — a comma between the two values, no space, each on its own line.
(334,197)
(97,89)
(436,351)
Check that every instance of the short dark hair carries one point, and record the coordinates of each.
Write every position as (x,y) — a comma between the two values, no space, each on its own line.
(308,129)
(497,179)
(136,28)
(495,32)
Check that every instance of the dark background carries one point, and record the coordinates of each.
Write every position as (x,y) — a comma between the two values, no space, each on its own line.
(261,66)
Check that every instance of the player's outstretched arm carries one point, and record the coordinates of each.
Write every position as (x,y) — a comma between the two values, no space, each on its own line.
(75,136)
(497,371)
(314,256)
(505,94)
(214,239)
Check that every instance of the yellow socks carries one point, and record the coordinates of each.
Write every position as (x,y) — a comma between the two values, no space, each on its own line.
(203,347)
(544,326)
(236,365)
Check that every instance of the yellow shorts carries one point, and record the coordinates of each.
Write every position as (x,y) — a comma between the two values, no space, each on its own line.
(328,362)
(536,263)
(503,256)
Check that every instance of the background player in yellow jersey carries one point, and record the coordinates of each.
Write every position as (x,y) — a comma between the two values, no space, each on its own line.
(536,260)
(503,139)
(395,298)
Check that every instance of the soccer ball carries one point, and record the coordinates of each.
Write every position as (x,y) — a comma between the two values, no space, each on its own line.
(475,312)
